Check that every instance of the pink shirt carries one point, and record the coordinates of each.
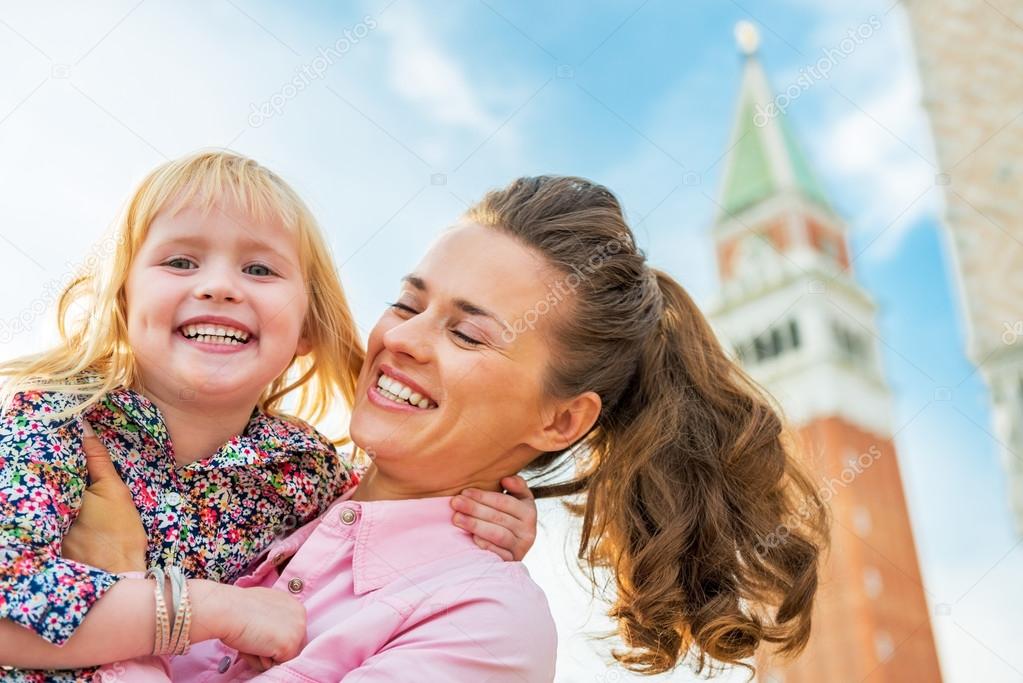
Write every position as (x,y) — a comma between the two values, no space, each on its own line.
(395,592)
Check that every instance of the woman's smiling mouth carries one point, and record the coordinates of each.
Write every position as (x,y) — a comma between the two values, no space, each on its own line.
(399,393)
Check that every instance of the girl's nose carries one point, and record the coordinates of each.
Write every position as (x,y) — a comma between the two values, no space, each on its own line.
(218,287)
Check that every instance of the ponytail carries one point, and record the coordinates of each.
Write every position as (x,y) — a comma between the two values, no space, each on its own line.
(689,475)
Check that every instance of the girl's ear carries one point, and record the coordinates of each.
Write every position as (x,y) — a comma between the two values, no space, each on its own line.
(304,345)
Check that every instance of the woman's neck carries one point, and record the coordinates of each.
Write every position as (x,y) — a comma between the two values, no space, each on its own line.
(197,430)
(375,484)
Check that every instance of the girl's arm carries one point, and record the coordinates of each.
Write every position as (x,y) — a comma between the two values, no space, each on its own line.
(42,479)
(260,621)
(122,625)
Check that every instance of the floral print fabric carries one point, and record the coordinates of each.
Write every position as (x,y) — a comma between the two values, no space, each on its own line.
(213,517)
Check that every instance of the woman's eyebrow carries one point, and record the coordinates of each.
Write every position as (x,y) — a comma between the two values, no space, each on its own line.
(463,304)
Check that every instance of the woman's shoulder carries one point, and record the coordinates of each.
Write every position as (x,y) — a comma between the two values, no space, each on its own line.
(502,587)
(505,611)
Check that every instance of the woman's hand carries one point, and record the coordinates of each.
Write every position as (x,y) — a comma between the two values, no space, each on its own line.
(108,531)
(504,523)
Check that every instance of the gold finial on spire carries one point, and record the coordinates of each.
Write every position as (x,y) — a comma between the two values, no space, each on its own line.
(748,38)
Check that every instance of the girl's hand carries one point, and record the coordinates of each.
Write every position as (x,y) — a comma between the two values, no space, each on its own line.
(108,531)
(504,523)
(266,626)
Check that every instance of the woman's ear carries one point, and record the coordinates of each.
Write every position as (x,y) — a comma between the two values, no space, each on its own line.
(568,421)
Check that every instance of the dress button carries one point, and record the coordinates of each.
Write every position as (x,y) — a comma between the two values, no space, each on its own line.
(172,498)
(348,516)
(296,585)
(224,665)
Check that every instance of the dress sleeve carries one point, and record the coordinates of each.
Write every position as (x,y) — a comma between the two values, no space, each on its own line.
(42,478)
(315,476)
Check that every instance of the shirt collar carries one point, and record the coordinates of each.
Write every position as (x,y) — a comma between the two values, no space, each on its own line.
(141,411)
(266,437)
(396,537)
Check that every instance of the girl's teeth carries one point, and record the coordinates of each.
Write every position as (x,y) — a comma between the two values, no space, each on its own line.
(405,393)
(424,403)
(415,398)
(216,332)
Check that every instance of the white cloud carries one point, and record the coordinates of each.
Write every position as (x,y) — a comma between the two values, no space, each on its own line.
(425,73)
(876,154)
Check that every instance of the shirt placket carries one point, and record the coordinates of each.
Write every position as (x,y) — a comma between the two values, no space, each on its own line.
(173,504)
(303,574)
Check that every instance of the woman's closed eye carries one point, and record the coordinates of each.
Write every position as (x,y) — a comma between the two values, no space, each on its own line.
(405,308)
(461,336)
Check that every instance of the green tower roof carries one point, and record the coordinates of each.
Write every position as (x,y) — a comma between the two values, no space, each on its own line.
(764,158)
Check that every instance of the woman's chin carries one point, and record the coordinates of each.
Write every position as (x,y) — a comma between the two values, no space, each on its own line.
(377,441)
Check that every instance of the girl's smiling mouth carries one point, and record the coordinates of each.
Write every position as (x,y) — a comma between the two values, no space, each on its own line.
(214,333)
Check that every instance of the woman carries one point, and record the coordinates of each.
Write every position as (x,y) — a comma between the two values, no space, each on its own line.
(550,346)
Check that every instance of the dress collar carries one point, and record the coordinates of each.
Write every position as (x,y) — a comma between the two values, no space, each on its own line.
(396,537)
(265,438)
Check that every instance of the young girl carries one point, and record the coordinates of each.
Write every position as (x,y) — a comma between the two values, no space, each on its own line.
(219,302)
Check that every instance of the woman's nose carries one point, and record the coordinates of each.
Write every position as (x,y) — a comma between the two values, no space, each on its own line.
(412,338)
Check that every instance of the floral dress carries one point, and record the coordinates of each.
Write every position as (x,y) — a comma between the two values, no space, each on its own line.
(213,517)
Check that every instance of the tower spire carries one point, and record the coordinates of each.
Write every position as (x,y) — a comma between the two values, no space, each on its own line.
(764,157)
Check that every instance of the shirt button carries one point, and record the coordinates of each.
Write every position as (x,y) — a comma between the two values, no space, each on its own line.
(172,498)
(224,665)
(296,585)
(348,516)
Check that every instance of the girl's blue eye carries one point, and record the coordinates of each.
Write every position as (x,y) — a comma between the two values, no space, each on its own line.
(180,263)
(258,269)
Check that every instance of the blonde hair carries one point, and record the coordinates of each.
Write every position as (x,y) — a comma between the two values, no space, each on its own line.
(94,357)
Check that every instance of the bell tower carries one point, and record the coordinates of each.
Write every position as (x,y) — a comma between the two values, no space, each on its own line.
(796,319)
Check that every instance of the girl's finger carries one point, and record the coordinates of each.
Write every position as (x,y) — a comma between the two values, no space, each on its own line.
(488,513)
(254,662)
(503,502)
(500,552)
(517,487)
(495,534)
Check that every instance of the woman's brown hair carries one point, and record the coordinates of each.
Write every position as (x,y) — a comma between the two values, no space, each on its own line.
(694,498)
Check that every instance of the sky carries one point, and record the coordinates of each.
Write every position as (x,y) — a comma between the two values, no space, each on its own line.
(391,116)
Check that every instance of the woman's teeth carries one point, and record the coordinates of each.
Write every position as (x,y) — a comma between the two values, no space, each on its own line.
(215,334)
(399,393)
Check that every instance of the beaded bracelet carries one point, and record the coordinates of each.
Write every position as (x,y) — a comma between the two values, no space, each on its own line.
(172,638)
(162,619)
(179,638)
